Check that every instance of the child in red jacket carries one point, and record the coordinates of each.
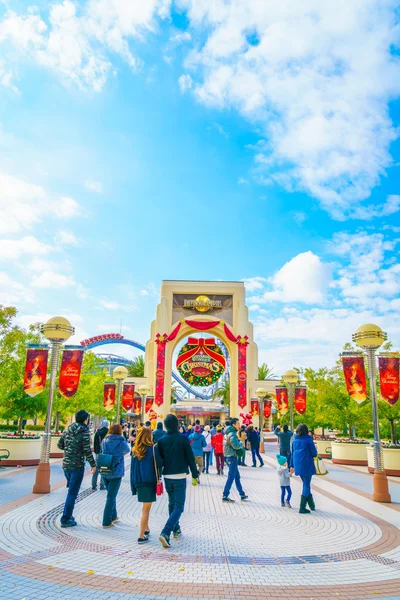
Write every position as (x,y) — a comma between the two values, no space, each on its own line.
(218,445)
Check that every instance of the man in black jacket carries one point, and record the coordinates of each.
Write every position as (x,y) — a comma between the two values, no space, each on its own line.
(178,458)
(98,438)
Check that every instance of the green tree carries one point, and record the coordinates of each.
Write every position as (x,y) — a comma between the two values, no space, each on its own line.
(136,369)
(223,394)
(389,418)
(265,372)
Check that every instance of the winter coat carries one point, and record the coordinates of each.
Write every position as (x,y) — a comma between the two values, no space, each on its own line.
(208,437)
(176,455)
(98,438)
(254,440)
(303,454)
(117,446)
(231,442)
(284,440)
(143,471)
(284,475)
(75,441)
(158,434)
(218,443)
(197,443)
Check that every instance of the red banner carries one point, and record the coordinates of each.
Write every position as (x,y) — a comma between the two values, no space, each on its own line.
(267,408)
(160,369)
(389,378)
(109,396)
(282,399)
(35,370)
(149,403)
(201,325)
(300,400)
(137,405)
(354,374)
(242,374)
(128,396)
(70,371)
(254,409)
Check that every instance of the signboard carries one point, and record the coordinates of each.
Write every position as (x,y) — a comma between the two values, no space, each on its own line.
(188,305)
(201,362)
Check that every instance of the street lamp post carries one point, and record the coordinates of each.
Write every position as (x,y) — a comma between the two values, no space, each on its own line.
(291,378)
(144,391)
(57,330)
(119,374)
(261,393)
(370,338)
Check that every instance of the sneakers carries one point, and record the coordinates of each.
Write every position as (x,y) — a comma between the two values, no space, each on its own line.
(227,499)
(177,533)
(288,505)
(244,497)
(283,504)
(143,540)
(147,533)
(69,523)
(164,539)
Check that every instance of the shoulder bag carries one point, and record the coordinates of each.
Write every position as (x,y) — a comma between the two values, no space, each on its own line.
(159,484)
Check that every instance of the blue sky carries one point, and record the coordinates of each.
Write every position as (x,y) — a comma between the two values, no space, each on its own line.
(231,140)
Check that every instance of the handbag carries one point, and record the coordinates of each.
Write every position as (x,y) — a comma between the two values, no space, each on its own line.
(320,466)
(159,484)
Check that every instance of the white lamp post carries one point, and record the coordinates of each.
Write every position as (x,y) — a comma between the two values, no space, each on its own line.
(119,374)
(57,330)
(144,391)
(261,393)
(291,378)
(370,338)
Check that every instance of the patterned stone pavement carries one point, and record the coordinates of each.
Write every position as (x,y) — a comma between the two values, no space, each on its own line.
(348,548)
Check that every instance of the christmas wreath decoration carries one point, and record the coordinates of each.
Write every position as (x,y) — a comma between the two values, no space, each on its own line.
(201,362)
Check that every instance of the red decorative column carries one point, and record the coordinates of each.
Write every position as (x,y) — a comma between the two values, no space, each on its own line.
(161,341)
(242,343)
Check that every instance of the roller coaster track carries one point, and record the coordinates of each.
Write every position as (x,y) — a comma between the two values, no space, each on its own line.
(114,338)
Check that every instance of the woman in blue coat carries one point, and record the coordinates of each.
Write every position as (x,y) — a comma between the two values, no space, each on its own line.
(116,445)
(302,463)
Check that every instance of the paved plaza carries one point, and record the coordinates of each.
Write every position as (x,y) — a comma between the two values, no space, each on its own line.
(348,548)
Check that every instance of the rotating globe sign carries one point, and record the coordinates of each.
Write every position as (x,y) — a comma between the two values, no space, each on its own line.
(201,362)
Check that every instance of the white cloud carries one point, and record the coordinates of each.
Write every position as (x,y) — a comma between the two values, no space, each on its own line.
(305,278)
(317,83)
(28,245)
(66,238)
(23,204)
(254,283)
(13,292)
(52,280)
(242,181)
(299,217)
(94,186)
(144,292)
(76,320)
(185,83)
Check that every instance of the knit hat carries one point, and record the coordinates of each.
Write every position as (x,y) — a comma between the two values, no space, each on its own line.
(197,429)
(219,428)
(282,460)
(207,428)
(104,423)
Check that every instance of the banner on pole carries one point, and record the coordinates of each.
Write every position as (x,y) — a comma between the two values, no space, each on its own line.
(128,396)
(70,371)
(109,396)
(282,399)
(300,400)
(354,374)
(389,378)
(35,369)
(137,405)
(149,403)
(267,408)
(254,409)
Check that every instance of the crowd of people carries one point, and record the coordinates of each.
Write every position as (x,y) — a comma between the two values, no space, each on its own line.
(165,456)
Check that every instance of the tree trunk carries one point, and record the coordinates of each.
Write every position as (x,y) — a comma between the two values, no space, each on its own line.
(323,431)
(392,431)
(57,421)
(20,420)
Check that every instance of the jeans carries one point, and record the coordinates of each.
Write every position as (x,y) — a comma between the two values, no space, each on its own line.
(74,480)
(206,460)
(95,478)
(211,456)
(256,452)
(110,509)
(176,490)
(286,453)
(288,490)
(233,476)
(306,479)
(219,459)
